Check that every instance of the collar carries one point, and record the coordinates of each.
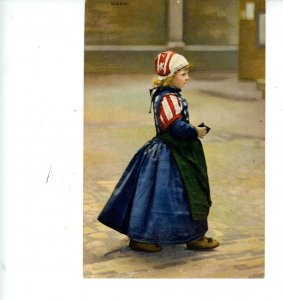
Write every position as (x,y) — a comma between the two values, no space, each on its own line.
(157,90)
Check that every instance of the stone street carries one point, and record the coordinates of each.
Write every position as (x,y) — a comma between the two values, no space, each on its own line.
(117,124)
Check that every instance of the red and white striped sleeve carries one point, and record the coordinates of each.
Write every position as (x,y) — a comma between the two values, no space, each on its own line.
(170,109)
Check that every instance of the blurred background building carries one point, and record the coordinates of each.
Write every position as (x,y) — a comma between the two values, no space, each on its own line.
(215,35)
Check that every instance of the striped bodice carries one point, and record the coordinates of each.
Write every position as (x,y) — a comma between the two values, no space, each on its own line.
(169,105)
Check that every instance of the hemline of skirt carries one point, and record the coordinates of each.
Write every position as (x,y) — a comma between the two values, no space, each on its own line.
(175,242)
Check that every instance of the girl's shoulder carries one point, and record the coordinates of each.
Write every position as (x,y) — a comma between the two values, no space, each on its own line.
(172,97)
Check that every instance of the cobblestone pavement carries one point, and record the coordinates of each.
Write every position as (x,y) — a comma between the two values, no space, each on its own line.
(117,124)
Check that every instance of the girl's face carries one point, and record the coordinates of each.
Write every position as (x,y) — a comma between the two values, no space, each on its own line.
(180,79)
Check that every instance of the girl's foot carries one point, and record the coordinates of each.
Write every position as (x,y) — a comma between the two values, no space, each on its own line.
(146,247)
(202,243)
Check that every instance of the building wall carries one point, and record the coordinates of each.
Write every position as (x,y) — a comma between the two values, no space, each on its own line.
(126,38)
(135,23)
(211,22)
(251,55)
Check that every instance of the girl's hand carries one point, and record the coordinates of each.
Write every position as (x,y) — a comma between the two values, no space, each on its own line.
(202,131)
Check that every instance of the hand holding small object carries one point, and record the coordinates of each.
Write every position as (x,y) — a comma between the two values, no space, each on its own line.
(202,130)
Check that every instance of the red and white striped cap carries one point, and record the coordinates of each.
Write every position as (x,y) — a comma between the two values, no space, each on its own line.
(169,62)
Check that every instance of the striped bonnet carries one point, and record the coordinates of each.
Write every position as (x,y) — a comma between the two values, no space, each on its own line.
(169,62)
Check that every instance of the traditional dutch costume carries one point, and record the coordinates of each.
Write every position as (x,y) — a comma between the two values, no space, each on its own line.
(163,196)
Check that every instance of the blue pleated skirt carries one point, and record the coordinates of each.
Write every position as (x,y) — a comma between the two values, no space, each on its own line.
(149,203)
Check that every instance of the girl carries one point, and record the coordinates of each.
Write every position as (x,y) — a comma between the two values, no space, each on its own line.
(163,196)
